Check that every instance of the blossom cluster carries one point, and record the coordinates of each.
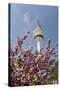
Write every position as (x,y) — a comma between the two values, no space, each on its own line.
(27,68)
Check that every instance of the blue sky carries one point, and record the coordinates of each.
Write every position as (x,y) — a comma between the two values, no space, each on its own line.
(23,19)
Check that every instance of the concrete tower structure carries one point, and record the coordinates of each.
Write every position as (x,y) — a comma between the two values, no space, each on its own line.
(38,35)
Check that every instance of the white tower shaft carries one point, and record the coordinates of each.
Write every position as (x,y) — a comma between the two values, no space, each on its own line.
(38,46)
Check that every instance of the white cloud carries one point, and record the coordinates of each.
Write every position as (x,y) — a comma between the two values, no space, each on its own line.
(29,21)
(27,18)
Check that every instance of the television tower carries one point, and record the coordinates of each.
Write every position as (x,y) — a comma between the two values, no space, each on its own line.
(38,35)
